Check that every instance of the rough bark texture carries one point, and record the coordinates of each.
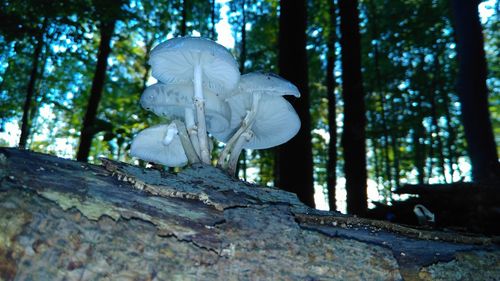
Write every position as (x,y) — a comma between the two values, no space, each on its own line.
(473,92)
(88,128)
(353,136)
(65,220)
(294,161)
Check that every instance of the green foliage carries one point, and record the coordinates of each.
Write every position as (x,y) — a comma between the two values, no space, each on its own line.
(409,67)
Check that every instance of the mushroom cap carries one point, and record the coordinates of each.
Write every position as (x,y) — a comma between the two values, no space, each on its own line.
(148,145)
(275,123)
(267,83)
(173,61)
(171,100)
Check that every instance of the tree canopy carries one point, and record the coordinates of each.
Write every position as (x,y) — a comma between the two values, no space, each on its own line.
(414,133)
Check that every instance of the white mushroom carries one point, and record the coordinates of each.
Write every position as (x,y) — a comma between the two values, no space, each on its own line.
(201,62)
(160,144)
(274,122)
(175,102)
(260,116)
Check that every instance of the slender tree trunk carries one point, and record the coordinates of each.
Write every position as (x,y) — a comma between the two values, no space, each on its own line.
(212,19)
(435,124)
(353,137)
(397,178)
(184,18)
(25,126)
(332,108)
(88,129)
(381,93)
(243,57)
(33,113)
(451,135)
(295,163)
(418,142)
(376,160)
(148,45)
(473,92)
(430,158)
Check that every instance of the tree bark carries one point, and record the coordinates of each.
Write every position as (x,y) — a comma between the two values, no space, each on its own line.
(25,124)
(144,224)
(332,108)
(473,92)
(353,137)
(88,128)
(295,165)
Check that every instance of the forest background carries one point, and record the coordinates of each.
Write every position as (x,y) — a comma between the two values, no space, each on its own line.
(57,56)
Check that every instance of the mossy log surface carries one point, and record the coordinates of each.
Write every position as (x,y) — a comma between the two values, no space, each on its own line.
(65,220)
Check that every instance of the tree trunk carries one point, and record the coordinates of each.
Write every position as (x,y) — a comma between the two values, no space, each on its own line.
(381,92)
(212,20)
(37,100)
(25,126)
(184,18)
(148,45)
(332,108)
(295,165)
(243,58)
(419,144)
(88,129)
(434,121)
(473,92)
(395,149)
(142,224)
(353,137)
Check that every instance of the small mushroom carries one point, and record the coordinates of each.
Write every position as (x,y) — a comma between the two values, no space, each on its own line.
(260,116)
(201,62)
(175,101)
(162,144)
(274,122)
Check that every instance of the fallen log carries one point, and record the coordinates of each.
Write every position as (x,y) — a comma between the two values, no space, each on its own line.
(66,220)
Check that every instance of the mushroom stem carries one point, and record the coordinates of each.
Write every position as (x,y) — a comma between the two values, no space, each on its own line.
(169,136)
(186,142)
(200,115)
(245,124)
(238,147)
(191,129)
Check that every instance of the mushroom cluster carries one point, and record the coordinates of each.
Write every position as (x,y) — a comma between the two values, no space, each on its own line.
(201,92)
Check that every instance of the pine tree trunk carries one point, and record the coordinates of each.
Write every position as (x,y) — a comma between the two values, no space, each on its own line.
(332,108)
(353,137)
(295,163)
(88,129)
(473,92)
(25,126)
